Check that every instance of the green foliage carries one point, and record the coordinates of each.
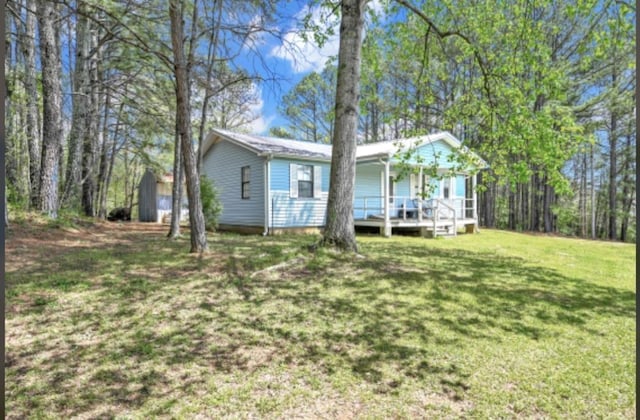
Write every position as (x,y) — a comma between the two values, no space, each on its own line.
(211,205)
(281,132)
(309,106)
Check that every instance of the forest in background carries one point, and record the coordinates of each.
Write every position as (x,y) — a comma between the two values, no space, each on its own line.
(544,92)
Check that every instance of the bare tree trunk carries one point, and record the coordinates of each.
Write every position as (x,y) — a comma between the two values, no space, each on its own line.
(536,193)
(613,171)
(92,122)
(547,202)
(593,195)
(181,72)
(582,203)
(213,43)
(81,100)
(31,91)
(102,172)
(512,210)
(176,193)
(339,230)
(52,107)
(627,189)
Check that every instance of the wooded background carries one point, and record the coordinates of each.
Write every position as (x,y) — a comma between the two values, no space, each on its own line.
(544,91)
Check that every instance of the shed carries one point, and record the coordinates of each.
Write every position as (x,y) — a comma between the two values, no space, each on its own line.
(154,198)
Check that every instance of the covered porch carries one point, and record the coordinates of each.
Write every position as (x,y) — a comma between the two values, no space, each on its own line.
(451,206)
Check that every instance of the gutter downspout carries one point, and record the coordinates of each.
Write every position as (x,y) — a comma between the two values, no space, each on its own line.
(267,193)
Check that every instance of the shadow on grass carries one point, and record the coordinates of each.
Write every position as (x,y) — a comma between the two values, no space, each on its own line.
(385,322)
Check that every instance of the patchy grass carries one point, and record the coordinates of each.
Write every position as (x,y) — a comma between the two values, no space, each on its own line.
(113,320)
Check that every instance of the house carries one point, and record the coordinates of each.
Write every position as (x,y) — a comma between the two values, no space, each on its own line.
(154,198)
(270,185)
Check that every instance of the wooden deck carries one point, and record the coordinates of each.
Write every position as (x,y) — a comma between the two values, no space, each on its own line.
(442,226)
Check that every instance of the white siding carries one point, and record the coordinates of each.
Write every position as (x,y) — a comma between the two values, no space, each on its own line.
(222,164)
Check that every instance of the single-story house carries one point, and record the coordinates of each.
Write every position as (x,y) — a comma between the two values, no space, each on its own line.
(270,185)
(154,198)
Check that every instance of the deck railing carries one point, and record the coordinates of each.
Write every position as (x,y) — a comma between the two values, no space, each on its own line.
(405,207)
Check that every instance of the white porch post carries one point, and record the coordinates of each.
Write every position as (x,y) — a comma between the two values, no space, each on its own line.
(475,198)
(387,209)
(419,195)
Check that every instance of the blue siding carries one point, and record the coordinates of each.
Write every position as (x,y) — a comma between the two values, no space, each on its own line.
(222,164)
(403,188)
(296,212)
(429,152)
(460,185)
(368,183)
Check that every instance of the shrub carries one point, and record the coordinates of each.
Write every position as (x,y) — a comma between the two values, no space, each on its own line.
(211,205)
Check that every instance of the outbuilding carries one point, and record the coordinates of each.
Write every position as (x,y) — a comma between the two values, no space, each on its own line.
(154,198)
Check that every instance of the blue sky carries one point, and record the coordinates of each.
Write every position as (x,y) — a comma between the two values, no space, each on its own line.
(290,59)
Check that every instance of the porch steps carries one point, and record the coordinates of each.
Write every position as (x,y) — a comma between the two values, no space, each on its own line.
(445,231)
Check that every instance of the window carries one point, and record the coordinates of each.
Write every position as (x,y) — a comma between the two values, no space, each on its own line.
(246,182)
(424,194)
(448,185)
(305,181)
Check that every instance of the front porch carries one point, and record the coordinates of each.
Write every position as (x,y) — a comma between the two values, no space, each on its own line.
(432,217)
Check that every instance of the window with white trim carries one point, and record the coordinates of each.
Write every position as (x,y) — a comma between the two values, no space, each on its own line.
(246,182)
(305,181)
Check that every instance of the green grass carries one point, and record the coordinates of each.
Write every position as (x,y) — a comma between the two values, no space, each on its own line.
(494,325)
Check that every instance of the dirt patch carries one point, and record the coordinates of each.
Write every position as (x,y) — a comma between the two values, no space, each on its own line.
(28,243)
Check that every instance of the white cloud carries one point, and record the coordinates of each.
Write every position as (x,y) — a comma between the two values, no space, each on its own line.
(257,123)
(304,54)
(260,125)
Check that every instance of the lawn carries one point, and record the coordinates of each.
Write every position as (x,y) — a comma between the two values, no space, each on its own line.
(113,320)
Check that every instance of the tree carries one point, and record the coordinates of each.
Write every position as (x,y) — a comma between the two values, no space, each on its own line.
(309,106)
(52,106)
(32,120)
(183,123)
(339,230)
(81,104)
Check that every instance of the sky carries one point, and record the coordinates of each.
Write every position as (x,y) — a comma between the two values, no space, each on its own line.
(291,58)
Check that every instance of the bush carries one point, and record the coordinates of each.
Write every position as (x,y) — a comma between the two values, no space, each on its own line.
(211,205)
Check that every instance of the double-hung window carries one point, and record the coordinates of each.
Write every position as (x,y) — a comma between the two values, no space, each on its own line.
(246,182)
(305,181)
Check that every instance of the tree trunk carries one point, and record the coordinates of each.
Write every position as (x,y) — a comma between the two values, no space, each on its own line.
(627,189)
(102,171)
(80,102)
(339,230)
(548,200)
(536,211)
(31,91)
(196,217)
(176,192)
(593,194)
(213,43)
(512,209)
(613,164)
(92,122)
(52,107)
